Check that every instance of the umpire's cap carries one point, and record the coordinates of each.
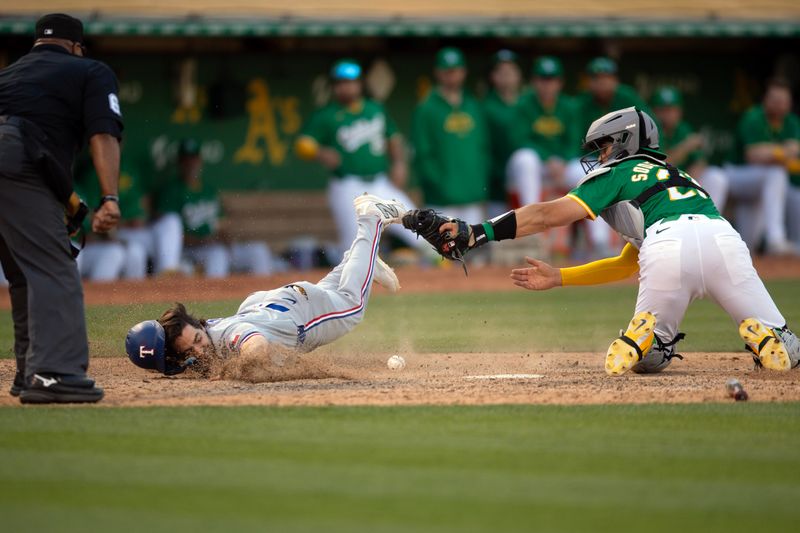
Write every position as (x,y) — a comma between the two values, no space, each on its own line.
(59,26)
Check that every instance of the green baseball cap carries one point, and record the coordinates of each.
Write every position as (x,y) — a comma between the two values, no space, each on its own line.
(548,67)
(450,57)
(188,147)
(504,56)
(601,65)
(346,69)
(667,96)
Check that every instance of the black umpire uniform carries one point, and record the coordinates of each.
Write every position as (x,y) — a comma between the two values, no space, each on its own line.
(51,102)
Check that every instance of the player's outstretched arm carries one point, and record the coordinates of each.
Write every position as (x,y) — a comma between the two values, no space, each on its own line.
(453,238)
(535,218)
(540,276)
(527,220)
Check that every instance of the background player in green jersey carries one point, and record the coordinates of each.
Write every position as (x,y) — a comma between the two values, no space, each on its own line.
(357,141)
(686,250)
(513,175)
(684,147)
(200,210)
(767,138)
(548,122)
(451,143)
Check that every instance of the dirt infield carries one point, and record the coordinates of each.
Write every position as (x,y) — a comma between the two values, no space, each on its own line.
(413,279)
(446,379)
(329,378)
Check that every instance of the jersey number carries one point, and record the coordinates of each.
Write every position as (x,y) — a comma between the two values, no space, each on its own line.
(674,193)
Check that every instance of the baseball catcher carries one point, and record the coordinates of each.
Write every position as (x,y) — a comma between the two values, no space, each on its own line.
(298,318)
(677,240)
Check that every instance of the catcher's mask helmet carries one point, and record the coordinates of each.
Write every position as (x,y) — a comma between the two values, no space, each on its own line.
(146,348)
(629,131)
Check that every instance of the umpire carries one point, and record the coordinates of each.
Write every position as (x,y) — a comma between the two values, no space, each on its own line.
(52,100)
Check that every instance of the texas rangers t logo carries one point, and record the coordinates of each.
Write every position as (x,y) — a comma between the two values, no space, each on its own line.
(143,352)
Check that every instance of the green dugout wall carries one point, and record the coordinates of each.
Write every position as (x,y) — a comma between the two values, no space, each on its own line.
(245,99)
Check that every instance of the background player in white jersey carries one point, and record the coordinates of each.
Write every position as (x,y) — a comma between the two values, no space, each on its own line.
(686,250)
(299,317)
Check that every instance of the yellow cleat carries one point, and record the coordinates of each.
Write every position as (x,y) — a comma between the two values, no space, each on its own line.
(763,342)
(629,349)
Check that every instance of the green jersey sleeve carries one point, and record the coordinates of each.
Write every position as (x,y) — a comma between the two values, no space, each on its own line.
(320,127)
(598,193)
(749,129)
(391,125)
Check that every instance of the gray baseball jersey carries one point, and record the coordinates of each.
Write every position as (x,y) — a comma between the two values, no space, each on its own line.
(271,314)
(303,315)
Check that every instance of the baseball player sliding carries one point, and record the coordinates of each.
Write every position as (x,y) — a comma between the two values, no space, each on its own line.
(299,317)
(685,249)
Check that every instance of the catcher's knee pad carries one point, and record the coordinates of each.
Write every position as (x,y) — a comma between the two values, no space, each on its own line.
(659,357)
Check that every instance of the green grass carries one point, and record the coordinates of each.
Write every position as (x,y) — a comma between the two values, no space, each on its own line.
(571,319)
(707,467)
(711,467)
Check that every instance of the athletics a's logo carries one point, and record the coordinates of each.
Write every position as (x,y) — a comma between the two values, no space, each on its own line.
(144,352)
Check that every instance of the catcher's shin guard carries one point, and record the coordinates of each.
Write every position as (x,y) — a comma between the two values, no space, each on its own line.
(632,346)
(767,348)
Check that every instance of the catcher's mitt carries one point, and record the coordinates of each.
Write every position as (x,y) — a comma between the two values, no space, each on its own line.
(426,223)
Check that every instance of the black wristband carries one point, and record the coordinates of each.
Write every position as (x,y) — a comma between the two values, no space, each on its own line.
(108,198)
(501,227)
(479,233)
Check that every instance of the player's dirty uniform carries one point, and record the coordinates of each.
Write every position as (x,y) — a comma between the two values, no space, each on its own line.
(303,315)
(359,133)
(688,251)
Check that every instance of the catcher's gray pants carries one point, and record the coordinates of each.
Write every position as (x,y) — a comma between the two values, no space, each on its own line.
(46,292)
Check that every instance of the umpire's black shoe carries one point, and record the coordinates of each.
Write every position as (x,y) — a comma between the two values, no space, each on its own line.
(61,388)
(19,384)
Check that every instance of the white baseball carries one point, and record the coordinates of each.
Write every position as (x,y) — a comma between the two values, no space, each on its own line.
(396,362)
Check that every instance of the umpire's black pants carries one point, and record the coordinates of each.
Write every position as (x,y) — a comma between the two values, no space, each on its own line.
(44,284)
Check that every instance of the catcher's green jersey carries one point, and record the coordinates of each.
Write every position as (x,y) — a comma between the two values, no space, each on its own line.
(590,110)
(451,151)
(358,132)
(632,176)
(200,209)
(501,122)
(754,129)
(552,132)
(667,141)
